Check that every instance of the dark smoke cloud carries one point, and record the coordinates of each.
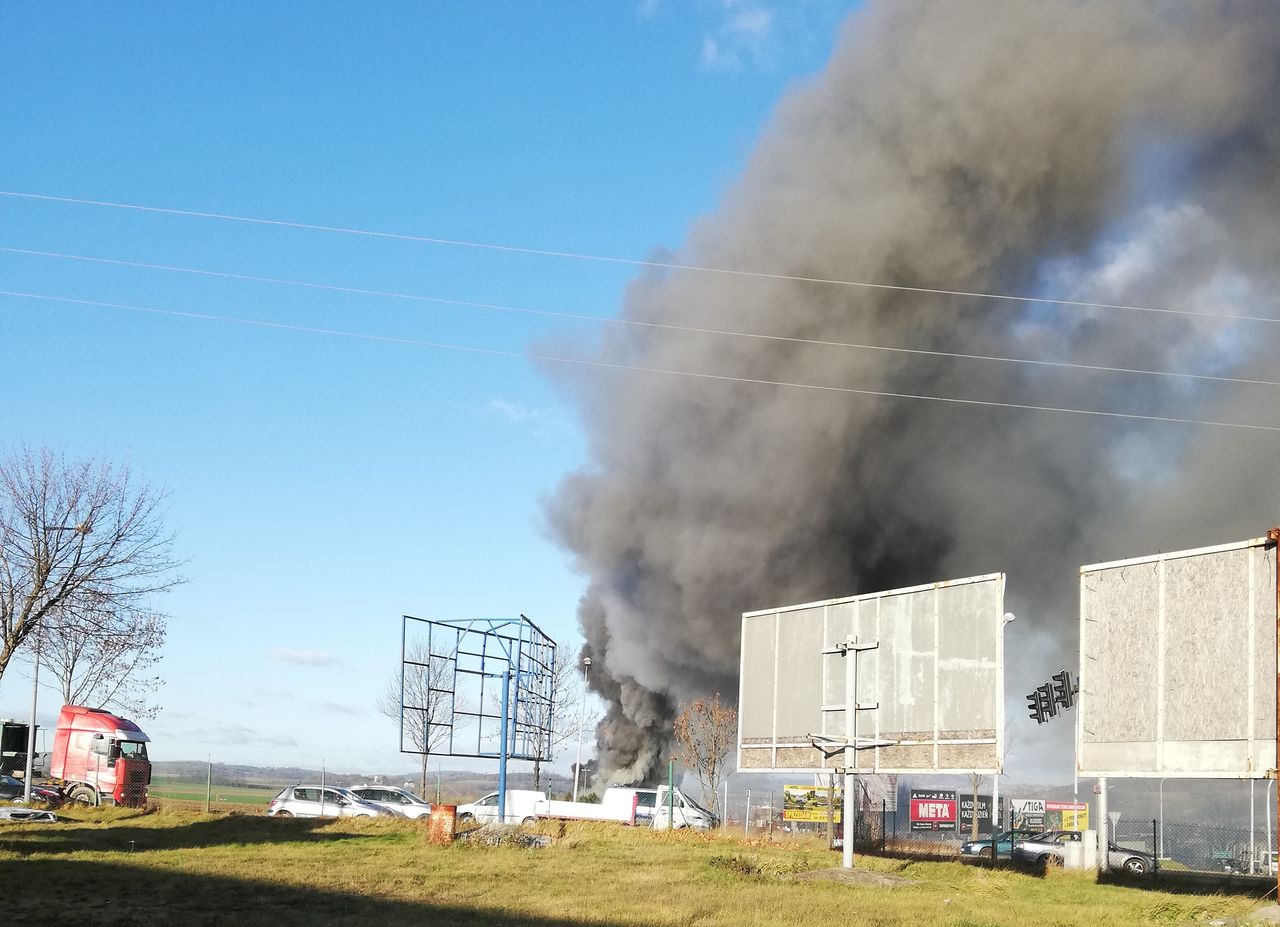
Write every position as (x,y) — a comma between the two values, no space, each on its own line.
(1107,151)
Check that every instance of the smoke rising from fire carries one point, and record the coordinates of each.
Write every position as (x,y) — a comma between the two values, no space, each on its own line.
(1093,150)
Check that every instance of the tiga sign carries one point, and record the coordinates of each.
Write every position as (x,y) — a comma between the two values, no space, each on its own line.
(933,810)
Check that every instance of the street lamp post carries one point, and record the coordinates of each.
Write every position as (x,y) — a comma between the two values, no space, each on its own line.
(582,717)
(83,530)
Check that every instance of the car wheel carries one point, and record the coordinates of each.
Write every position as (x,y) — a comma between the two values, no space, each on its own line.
(530,820)
(985,852)
(1049,860)
(284,814)
(83,795)
(1135,866)
(466,817)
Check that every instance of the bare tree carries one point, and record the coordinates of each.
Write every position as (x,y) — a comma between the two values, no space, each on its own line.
(75,536)
(426,706)
(102,659)
(705,731)
(563,717)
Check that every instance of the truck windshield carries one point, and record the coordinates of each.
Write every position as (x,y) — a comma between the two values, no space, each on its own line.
(133,749)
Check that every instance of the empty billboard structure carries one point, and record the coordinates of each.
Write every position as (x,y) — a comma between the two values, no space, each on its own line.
(1178,664)
(903,681)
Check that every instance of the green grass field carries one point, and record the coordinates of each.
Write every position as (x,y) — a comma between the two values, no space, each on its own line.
(223,795)
(113,866)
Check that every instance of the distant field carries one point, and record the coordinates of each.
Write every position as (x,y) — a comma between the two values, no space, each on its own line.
(223,795)
(114,866)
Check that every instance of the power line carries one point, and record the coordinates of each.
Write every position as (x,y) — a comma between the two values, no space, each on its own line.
(665,326)
(599,258)
(582,362)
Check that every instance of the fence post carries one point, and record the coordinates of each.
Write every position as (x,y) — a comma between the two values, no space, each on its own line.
(884,803)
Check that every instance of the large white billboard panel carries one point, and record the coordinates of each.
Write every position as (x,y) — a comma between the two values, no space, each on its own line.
(1178,664)
(930,692)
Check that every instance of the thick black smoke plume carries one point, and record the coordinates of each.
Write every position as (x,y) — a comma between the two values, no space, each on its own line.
(1101,150)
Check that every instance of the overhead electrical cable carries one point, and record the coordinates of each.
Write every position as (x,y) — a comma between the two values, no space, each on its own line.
(600,258)
(584,362)
(638,323)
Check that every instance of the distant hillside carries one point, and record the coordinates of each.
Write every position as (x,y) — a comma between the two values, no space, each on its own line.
(453,783)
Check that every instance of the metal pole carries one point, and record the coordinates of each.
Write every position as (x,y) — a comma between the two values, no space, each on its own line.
(582,719)
(746,818)
(208,783)
(671,794)
(724,820)
(770,813)
(322,786)
(1104,826)
(850,752)
(995,819)
(502,751)
(1274,536)
(1253,830)
(1160,849)
(31,729)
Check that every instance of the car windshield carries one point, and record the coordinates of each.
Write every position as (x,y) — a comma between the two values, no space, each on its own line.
(133,749)
(1037,838)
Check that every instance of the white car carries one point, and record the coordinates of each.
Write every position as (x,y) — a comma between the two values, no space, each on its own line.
(311,801)
(397,800)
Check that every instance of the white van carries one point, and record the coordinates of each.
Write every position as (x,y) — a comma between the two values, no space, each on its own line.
(522,808)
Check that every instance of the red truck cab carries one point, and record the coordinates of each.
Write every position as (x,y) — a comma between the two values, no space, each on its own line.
(100,758)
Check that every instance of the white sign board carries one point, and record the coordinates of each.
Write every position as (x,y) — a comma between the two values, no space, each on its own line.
(1178,664)
(930,690)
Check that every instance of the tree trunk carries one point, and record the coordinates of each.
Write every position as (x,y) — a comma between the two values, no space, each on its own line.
(422,786)
(537,773)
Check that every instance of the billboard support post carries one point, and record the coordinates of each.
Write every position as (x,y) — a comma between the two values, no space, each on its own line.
(1104,825)
(1274,536)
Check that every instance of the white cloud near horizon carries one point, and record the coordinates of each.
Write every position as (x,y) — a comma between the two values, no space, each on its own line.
(305,657)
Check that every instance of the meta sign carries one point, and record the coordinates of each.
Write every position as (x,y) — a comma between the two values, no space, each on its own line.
(933,809)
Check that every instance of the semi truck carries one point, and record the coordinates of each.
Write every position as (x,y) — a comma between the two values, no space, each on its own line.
(99,758)
(641,807)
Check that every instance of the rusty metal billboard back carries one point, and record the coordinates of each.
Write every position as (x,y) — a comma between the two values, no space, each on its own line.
(1178,664)
(937,677)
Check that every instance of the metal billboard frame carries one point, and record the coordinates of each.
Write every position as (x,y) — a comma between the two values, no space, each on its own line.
(1257,690)
(511,655)
(997,740)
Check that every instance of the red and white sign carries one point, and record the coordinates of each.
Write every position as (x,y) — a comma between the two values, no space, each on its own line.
(1065,806)
(933,810)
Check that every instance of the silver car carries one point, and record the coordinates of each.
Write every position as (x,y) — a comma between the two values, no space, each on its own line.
(392,799)
(1046,848)
(312,801)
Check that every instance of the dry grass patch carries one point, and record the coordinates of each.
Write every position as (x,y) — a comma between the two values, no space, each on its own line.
(113,866)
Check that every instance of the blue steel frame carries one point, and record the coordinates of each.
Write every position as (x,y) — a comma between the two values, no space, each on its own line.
(480,653)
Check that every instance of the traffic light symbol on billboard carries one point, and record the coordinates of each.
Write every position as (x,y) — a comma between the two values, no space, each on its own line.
(1065,689)
(1040,704)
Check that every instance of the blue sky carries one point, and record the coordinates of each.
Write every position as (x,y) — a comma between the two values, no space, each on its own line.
(321,487)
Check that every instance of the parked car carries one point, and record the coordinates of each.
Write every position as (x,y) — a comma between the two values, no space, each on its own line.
(10,788)
(521,807)
(393,799)
(13,790)
(311,801)
(1045,848)
(1004,844)
(1129,861)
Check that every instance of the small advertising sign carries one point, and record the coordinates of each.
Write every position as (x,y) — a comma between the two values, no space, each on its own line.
(984,814)
(1074,815)
(933,809)
(1027,813)
(808,803)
